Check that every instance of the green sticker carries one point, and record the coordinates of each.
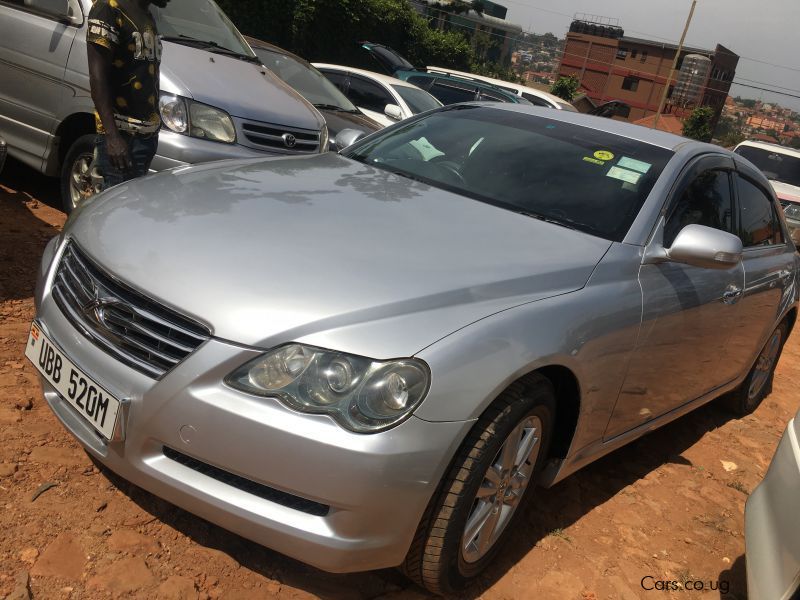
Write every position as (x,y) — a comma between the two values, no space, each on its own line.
(635,165)
(624,175)
(594,161)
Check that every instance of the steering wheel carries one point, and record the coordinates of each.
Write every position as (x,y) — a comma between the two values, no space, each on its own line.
(450,168)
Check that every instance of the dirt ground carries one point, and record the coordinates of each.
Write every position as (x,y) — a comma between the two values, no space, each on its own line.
(668,507)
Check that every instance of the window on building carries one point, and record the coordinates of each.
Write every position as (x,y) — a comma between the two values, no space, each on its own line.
(634,52)
(622,53)
(643,57)
(630,83)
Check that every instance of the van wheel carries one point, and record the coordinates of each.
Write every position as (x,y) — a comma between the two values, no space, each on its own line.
(76,179)
(471,514)
(758,384)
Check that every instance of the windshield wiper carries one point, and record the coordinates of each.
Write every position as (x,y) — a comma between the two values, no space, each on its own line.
(211,46)
(563,222)
(333,107)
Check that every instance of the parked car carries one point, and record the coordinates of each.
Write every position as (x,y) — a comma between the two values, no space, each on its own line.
(385,99)
(363,359)
(781,165)
(3,152)
(338,111)
(532,95)
(772,529)
(47,114)
(445,87)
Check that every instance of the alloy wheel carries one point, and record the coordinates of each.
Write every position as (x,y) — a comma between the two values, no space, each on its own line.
(501,490)
(765,364)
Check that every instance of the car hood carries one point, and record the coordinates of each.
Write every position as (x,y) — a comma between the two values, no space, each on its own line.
(242,89)
(784,191)
(325,250)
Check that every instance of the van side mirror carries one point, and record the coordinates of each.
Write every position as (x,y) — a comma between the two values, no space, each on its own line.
(706,247)
(55,8)
(347,137)
(393,111)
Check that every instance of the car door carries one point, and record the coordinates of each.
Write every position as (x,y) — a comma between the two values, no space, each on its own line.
(688,312)
(34,48)
(370,97)
(768,266)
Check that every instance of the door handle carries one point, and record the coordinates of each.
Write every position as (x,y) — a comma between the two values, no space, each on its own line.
(732,295)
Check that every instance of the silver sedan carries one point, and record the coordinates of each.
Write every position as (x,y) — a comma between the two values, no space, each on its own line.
(365,359)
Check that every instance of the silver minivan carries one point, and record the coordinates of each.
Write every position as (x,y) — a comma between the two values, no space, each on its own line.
(46,109)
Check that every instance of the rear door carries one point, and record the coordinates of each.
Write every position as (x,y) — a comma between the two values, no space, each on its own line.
(768,266)
(34,49)
(688,312)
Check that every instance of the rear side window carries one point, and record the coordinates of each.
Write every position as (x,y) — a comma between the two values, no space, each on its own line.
(369,95)
(536,100)
(337,79)
(759,221)
(490,97)
(705,201)
(447,93)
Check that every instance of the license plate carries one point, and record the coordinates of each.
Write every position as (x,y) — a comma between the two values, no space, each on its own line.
(85,395)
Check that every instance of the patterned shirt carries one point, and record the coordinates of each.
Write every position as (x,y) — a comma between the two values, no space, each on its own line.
(132,39)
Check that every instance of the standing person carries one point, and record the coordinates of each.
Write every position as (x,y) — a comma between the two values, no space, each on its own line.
(124,54)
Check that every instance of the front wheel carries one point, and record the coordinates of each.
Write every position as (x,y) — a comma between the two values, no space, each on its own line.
(470,515)
(76,175)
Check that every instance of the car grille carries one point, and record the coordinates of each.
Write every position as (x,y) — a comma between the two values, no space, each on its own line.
(246,485)
(280,139)
(136,330)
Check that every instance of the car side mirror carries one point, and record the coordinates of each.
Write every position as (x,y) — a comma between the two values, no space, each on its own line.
(393,111)
(347,137)
(705,247)
(56,8)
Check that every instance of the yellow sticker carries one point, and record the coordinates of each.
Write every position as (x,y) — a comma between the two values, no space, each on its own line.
(594,161)
(604,155)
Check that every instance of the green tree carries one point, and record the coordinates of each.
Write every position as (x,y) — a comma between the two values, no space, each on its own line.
(698,125)
(566,87)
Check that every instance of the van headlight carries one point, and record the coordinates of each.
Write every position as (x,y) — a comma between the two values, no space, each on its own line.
(196,119)
(361,394)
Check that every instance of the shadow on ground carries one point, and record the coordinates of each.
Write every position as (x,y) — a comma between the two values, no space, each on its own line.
(22,235)
(550,510)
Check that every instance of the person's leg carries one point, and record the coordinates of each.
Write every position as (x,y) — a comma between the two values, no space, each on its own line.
(102,169)
(142,152)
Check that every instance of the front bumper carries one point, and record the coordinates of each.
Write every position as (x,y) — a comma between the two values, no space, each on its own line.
(374,488)
(175,150)
(772,527)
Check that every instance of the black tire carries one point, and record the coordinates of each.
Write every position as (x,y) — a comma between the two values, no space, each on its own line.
(81,148)
(758,384)
(436,559)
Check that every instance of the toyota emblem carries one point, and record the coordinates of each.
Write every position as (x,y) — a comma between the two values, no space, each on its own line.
(289,140)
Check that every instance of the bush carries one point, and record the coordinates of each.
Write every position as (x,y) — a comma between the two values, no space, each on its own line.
(565,88)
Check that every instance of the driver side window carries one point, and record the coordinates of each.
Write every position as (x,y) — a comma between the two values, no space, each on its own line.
(706,200)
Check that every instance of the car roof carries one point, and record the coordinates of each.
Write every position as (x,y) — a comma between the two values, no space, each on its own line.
(655,137)
(500,83)
(771,147)
(385,79)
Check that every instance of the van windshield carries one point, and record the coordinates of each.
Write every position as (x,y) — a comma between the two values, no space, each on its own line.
(199,20)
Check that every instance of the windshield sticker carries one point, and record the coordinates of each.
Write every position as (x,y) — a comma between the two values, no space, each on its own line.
(624,175)
(604,155)
(594,161)
(633,164)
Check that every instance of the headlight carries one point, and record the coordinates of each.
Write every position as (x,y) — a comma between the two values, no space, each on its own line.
(188,117)
(361,394)
(324,138)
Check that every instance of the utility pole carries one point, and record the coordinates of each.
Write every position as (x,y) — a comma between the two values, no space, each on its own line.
(674,64)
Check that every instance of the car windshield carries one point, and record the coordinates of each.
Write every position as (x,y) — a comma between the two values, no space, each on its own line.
(418,100)
(774,164)
(311,84)
(199,20)
(575,176)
